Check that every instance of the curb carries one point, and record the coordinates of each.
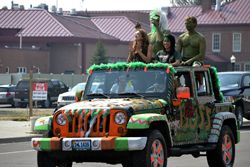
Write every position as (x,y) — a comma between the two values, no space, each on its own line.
(17,139)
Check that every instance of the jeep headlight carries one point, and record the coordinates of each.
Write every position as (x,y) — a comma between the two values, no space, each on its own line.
(120,118)
(60,119)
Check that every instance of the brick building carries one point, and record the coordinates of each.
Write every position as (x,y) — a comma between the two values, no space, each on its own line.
(56,43)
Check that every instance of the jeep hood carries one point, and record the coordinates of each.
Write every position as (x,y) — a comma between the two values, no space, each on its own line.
(128,104)
(230,91)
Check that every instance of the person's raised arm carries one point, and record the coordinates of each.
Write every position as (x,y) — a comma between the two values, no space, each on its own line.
(131,51)
(147,58)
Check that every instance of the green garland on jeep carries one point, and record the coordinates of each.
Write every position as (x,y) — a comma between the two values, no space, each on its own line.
(159,114)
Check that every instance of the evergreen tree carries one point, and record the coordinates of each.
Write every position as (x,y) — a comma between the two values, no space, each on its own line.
(100,54)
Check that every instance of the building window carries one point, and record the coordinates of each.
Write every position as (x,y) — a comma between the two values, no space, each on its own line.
(236,42)
(237,67)
(216,40)
(21,70)
(247,67)
(7,69)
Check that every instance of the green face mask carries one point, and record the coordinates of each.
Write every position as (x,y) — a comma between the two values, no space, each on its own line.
(154,16)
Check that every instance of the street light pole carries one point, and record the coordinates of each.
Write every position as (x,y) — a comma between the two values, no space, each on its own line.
(233,60)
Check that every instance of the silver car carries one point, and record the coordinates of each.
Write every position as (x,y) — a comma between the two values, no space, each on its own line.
(7,93)
(69,97)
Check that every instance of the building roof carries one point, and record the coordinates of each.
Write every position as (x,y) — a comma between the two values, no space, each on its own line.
(117,26)
(33,23)
(82,27)
(236,12)
(177,16)
(41,23)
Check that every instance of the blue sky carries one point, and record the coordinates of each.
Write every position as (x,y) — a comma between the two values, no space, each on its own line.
(93,4)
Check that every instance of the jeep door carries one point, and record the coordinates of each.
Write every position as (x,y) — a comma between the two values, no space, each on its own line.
(184,114)
(205,107)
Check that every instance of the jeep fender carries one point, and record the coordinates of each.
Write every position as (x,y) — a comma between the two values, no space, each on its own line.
(219,120)
(144,121)
(43,124)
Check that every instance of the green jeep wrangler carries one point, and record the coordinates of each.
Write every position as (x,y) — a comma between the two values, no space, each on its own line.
(140,115)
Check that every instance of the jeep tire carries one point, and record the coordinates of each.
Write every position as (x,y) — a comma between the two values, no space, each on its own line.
(155,152)
(224,154)
(45,160)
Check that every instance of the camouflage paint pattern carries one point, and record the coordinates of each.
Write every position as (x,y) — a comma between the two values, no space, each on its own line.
(95,105)
(186,119)
(219,118)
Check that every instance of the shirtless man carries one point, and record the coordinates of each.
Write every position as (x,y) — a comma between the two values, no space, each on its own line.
(191,44)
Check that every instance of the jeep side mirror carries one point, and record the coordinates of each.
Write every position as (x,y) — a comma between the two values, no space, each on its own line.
(78,96)
(183,93)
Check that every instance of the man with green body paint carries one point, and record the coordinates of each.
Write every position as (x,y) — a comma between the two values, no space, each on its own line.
(191,44)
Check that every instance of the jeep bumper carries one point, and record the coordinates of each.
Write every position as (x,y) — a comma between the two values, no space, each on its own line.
(89,144)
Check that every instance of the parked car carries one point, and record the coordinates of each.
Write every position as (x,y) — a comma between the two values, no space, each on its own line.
(70,96)
(7,93)
(235,87)
(55,87)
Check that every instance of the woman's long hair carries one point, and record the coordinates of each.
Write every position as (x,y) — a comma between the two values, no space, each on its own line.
(145,41)
(172,43)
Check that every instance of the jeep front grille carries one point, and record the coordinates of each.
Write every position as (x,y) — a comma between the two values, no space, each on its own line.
(84,124)
(68,98)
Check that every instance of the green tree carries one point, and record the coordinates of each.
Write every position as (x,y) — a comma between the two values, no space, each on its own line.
(100,54)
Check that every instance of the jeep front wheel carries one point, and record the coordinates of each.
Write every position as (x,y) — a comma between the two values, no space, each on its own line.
(45,160)
(224,154)
(155,152)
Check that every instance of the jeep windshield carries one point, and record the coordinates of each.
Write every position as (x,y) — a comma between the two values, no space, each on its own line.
(122,84)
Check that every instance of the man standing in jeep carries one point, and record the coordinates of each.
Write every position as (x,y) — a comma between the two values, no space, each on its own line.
(191,44)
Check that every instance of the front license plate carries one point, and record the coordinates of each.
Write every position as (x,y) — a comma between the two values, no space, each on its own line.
(81,145)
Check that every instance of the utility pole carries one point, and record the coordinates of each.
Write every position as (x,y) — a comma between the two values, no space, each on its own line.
(21,41)
(30,94)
